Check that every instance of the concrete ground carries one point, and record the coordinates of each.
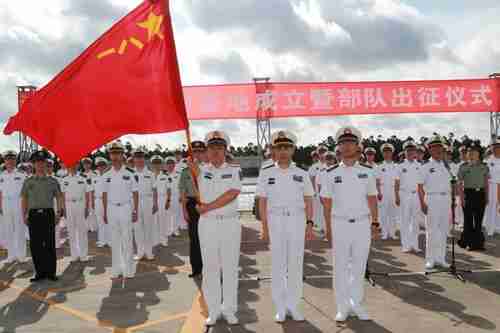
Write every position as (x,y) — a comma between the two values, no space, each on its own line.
(163,299)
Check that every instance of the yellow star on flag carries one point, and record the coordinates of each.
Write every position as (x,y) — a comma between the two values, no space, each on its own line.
(152,25)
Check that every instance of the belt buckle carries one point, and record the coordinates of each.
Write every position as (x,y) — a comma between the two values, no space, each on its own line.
(478,189)
(39,211)
(351,220)
(118,204)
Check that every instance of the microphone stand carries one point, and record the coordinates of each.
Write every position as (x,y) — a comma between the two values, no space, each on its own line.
(452,270)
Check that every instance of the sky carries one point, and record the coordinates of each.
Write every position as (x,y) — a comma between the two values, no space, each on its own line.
(232,41)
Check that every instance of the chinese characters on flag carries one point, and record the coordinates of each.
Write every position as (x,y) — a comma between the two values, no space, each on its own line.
(330,99)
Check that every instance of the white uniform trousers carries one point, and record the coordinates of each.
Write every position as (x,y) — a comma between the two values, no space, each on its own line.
(14,229)
(491,221)
(174,217)
(92,222)
(143,229)
(459,212)
(438,216)
(77,229)
(287,236)
(120,221)
(409,224)
(350,247)
(103,229)
(162,217)
(319,219)
(220,239)
(388,213)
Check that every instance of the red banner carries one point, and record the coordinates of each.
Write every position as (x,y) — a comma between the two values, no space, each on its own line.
(242,101)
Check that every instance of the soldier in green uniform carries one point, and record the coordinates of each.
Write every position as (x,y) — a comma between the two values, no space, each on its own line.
(473,191)
(189,198)
(37,202)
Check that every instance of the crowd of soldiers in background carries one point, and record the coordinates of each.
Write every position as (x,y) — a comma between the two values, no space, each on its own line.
(303,154)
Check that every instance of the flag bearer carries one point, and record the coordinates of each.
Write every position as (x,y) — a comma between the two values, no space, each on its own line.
(219,230)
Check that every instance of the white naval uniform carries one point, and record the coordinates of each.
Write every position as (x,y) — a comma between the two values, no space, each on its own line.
(349,187)
(143,229)
(120,186)
(435,179)
(103,229)
(62,222)
(220,237)
(92,219)
(174,213)
(14,229)
(386,173)
(162,225)
(491,221)
(314,174)
(75,188)
(408,174)
(285,190)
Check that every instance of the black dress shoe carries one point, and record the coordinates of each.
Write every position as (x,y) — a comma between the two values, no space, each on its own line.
(37,279)
(53,278)
(194,275)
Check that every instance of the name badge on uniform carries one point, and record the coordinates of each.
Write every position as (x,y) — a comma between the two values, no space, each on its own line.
(338,180)
(405,171)
(163,179)
(81,183)
(299,179)
(17,178)
(208,175)
(362,175)
(271,181)
(147,177)
(228,176)
(432,170)
(66,184)
(108,180)
(126,177)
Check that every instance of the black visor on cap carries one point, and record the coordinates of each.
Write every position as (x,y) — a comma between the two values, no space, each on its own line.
(348,138)
(217,141)
(280,141)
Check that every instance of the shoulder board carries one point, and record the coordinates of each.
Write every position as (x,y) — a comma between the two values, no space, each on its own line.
(83,175)
(366,165)
(332,168)
(130,169)
(234,165)
(164,173)
(268,166)
(426,161)
(301,167)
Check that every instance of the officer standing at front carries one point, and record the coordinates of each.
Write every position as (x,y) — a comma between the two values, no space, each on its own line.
(350,200)
(492,218)
(405,191)
(219,230)
(11,183)
(434,191)
(76,194)
(37,202)
(473,182)
(120,204)
(286,208)
(189,198)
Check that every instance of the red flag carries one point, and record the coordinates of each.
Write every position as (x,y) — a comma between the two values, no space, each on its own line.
(127,82)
